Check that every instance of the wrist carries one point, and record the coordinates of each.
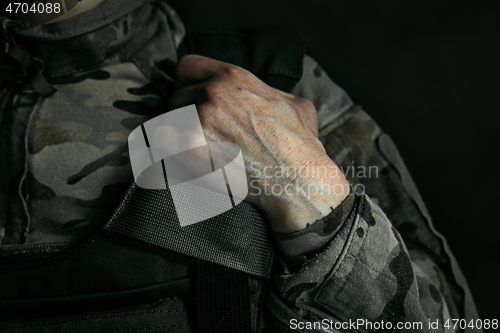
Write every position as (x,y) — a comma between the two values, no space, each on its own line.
(300,195)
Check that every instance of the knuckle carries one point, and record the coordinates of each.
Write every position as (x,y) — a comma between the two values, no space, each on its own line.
(206,115)
(231,70)
(234,72)
(213,89)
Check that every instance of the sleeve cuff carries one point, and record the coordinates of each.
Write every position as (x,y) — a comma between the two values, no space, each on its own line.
(297,247)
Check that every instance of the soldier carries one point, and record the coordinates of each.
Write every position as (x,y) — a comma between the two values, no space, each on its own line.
(357,249)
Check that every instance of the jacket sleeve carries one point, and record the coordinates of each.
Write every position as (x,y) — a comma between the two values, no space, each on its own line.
(376,259)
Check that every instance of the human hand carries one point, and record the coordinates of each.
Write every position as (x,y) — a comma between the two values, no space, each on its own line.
(290,177)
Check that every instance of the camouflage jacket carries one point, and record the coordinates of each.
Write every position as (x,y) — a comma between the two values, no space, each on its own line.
(375,259)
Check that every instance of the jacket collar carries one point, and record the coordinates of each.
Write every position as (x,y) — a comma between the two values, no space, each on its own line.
(112,32)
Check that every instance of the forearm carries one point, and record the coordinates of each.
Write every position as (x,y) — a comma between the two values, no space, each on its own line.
(403,238)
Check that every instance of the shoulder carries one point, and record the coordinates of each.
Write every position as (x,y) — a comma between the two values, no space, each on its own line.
(315,85)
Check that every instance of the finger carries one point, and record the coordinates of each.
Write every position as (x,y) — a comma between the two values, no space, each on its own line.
(184,149)
(178,83)
(186,95)
(194,163)
(194,68)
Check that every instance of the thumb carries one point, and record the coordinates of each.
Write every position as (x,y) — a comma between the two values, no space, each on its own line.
(195,68)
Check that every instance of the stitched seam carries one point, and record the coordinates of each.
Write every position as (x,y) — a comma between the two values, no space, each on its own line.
(147,328)
(56,260)
(35,248)
(96,317)
(282,72)
(155,301)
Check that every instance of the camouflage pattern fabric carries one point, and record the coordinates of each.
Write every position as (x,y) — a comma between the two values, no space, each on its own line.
(376,257)
(76,167)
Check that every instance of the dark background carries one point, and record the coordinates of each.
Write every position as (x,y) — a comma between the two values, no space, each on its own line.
(429,73)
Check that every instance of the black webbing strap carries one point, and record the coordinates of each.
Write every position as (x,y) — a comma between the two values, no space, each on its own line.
(238,238)
(229,247)
(222,299)
(224,45)
(222,302)
(275,57)
(222,294)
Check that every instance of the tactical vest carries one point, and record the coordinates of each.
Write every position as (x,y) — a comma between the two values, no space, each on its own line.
(142,271)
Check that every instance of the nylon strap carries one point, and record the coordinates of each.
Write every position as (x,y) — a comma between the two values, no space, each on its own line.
(222,295)
(238,239)
(222,299)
